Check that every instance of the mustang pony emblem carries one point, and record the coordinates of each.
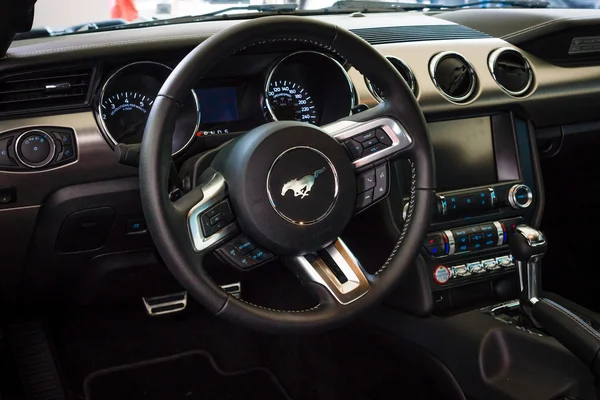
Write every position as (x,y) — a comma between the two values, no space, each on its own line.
(302,186)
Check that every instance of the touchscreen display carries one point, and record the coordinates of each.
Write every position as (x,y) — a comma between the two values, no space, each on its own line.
(464,153)
(219,104)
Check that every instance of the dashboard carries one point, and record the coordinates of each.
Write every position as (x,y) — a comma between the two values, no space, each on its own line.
(485,88)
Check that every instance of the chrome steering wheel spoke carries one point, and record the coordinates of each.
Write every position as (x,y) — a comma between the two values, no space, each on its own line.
(208,214)
(334,274)
(371,139)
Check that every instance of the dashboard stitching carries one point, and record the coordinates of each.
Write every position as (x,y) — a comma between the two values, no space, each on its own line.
(261,42)
(541,25)
(411,206)
(103,45)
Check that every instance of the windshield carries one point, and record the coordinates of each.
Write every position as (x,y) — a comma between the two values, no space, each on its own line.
(64,14)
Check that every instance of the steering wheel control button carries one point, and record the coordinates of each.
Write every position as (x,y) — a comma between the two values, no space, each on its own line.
(364,137)
(355,149)
(5,158)
(260,255)
(366,181)
(364,199)
(302,185)
(234,256)
(216,218)
(520,196)
(383,137)
(35,148)
(381,177)
(243,244)
(370,142)
(442,274)
(373,149)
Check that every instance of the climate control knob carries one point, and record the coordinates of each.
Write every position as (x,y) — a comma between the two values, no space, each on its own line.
(35,148)
(520,196)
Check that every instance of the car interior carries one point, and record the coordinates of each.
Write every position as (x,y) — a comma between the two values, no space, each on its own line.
(347,203)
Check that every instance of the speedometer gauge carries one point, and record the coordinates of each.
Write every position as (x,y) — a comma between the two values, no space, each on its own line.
(287,100)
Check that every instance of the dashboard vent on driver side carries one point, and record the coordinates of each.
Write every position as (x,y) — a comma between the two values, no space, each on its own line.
(418,33)
(48,89)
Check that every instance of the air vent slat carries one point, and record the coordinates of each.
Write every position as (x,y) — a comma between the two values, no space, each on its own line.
(40,90)
(400,34)
(43,78)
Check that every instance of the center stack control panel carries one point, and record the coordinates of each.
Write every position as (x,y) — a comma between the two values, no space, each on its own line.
(468,254)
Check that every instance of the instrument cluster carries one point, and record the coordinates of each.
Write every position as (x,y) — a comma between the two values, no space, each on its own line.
(305,86)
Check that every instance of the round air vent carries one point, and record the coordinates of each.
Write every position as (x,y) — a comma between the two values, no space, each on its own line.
(404,70)
(511,71)
(453,75)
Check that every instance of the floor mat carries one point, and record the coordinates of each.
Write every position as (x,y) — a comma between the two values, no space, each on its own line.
(190,376)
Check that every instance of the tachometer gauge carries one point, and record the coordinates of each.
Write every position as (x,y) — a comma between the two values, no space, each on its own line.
(125,114)
(127,98)
(287,100)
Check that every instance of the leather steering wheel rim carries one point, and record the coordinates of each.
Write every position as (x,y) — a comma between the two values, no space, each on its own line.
(165,218)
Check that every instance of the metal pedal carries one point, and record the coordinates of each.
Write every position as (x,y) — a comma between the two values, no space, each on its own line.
(168,304)
(234,289)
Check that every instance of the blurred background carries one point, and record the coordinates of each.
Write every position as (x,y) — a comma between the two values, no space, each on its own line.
(63,13)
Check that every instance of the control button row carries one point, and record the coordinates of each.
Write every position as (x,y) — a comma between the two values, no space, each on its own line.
(470,238)
(216,218)
(442,274)
(243,253)
(367,143)
(476,200)
(475,237)
(372,185)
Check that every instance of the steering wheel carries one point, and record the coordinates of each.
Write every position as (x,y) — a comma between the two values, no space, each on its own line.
(250,173)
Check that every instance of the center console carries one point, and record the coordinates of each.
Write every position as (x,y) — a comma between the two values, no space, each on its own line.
(486,187)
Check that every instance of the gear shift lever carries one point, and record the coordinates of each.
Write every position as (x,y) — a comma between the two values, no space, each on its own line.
(528,246)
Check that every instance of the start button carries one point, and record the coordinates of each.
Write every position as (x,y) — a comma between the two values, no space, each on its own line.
(441,274)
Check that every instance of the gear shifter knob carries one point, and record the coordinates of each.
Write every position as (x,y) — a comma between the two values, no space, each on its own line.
(528,246)
(527,243)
